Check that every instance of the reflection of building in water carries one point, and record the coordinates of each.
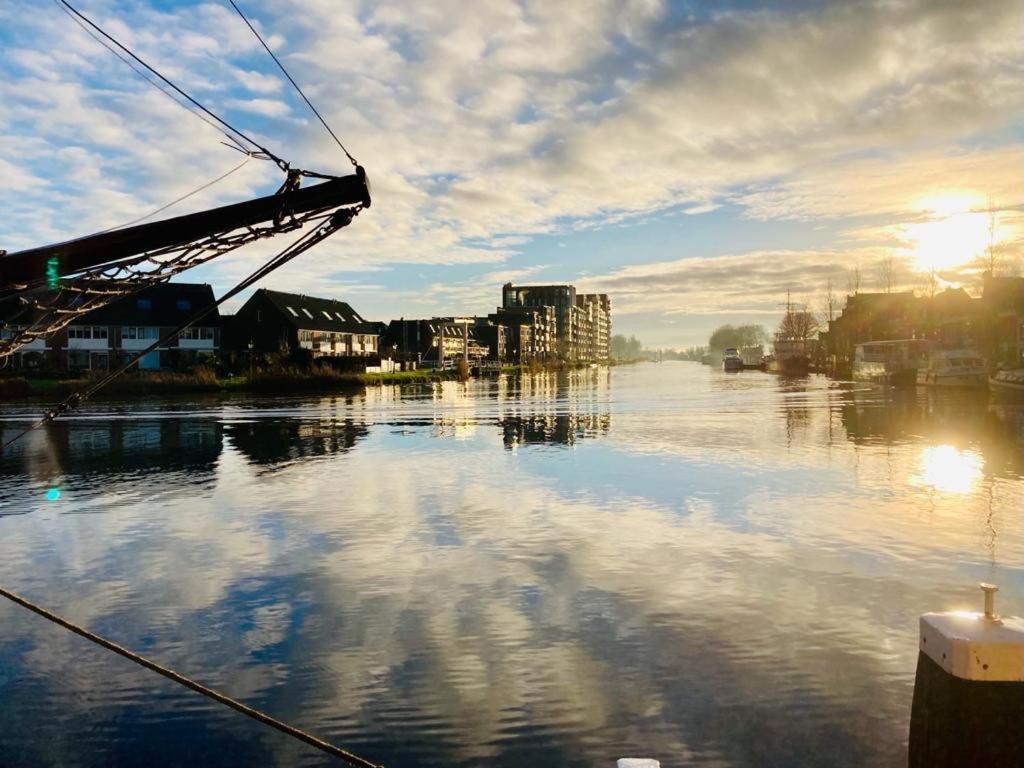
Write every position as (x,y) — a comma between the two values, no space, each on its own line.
(959,420)
(122,447)
(562,428)
(560,408)
(279,441)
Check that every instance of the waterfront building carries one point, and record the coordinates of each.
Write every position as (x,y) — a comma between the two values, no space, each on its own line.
(868,317)
(581,328)
(992,323)
(304,328)
(107,336)
(530,333)
(1003,301)
(436,340)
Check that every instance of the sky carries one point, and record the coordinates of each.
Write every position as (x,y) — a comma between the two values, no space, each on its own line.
(695,161)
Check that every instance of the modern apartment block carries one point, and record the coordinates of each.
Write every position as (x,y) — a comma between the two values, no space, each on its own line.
(582,321)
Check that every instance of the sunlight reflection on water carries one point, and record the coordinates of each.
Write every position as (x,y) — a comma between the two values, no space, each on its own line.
(656,559)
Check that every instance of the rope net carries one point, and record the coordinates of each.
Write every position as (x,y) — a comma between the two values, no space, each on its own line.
(42,311)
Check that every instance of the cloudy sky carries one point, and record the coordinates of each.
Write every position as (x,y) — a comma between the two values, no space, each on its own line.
(693,160)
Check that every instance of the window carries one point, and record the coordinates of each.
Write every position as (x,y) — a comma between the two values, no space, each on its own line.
(306,313)
(139,332)
(339,316)
(183,305)
(292,310)
(143,304)
(325,314)
(194,333)
(87,332)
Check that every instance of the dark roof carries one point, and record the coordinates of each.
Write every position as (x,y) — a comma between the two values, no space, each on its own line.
(435,325)
(165,304)
(314,314)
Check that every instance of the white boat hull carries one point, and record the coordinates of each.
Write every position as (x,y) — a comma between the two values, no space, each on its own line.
(972,380)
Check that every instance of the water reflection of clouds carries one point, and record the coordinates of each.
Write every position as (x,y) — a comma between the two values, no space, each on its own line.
(715,597)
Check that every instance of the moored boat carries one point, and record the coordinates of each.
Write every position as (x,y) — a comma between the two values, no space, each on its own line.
(892,363)
(731,360)
(953,368)
(1008,382)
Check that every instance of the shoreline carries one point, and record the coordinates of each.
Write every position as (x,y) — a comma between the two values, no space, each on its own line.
(283,381)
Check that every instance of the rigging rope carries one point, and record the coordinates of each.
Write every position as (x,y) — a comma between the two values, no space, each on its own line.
(235,144)
(281,163)
(292,81)
(331,224)
(184,197)
(170,674)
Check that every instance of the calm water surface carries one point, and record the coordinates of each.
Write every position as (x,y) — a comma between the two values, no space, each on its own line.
(655,560)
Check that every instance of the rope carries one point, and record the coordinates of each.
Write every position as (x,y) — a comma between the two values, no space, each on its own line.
(234,142)
(332,224)
(292,81)
(170,674)
(178,90)
(184,197)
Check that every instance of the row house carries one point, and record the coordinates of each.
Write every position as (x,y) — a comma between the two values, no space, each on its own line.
(110,335)
(299,326)
(992,323)
(439,339)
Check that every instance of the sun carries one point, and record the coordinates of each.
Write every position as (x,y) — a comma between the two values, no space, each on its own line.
(954,233)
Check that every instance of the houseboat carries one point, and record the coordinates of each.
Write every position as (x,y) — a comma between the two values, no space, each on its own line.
(731,360)
(892,363)
(753,357)
(953,368)
(790,358)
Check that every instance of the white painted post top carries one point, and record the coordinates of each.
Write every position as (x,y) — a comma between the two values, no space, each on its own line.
(637,762)
(975,646)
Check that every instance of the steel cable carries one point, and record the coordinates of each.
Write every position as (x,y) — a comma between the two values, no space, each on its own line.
(292,81)
(172,85)
(170,674)
(184,197)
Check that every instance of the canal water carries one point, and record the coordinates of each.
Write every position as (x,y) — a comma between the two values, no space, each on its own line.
(655,560)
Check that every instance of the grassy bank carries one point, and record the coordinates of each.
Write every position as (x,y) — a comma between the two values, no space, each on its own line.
(283,381)
(278,381)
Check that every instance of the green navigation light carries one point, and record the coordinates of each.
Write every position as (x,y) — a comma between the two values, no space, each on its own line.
(53,273)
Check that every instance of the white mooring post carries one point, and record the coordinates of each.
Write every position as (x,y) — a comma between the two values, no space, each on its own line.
(968,708)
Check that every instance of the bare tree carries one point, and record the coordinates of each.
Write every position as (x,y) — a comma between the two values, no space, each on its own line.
(887,273)
(853,279)
(929,284)
(799,325)
(828,303)
(991,260)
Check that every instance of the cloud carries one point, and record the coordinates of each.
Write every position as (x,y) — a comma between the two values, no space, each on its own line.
(265,107)
(485,125)
(754,282)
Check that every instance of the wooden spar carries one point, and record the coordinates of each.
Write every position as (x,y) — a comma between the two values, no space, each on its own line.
(74,256)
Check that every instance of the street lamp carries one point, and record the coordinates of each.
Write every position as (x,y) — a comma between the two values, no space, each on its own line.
(250,360)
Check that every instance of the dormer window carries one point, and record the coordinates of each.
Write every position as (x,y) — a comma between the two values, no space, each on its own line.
(184,305)
(143,304)
(307,313)
(292,310)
